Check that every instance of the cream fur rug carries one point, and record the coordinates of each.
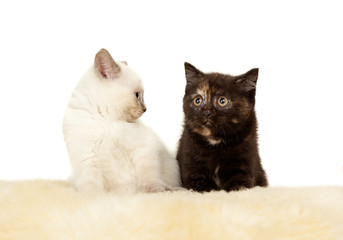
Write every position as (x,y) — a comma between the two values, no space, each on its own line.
(54,210)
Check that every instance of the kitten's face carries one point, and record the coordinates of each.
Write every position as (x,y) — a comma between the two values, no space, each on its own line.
(120,90)
(217,105)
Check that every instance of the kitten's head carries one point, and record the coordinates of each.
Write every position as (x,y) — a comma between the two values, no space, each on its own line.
(119,90)
(217,106)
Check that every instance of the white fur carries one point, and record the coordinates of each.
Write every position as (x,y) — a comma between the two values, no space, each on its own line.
(53,210)
(110,149)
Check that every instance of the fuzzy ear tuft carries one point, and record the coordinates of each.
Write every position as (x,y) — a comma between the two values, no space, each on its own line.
(248,80)
(105,65)
(192,73)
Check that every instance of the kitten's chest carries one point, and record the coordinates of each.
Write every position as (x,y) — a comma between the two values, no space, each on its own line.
(117,142)
(212,156)
(126,134)
(216,160)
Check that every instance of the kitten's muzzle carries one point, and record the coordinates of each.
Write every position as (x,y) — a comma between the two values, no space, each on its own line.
(142,105)
(207,122)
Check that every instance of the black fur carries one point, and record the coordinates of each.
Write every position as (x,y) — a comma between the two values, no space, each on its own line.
(218,148)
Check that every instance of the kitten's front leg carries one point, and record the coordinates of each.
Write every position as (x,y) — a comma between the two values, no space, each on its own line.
(198,181)
(238,182)
(87,176)
(149,172)
(199,184)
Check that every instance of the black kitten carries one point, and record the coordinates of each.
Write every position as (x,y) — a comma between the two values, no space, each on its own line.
(218,148)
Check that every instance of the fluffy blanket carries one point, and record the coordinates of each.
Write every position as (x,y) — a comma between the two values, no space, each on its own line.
(54,210)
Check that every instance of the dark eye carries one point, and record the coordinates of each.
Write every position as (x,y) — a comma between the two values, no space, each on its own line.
(137,94)
(222,101)
(197,101)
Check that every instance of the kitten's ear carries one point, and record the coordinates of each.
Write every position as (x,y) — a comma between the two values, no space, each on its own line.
(192,73)
(248,80)
(105,65)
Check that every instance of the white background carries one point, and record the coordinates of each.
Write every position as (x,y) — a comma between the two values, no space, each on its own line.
(45,47)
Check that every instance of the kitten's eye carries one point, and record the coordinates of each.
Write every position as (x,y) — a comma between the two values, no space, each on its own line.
(137,94)
(197,101)
(222,101)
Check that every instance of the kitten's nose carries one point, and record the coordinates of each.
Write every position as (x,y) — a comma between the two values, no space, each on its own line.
(207,113)
(144,109)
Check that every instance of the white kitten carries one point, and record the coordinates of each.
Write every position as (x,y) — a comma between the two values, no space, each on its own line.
(109,147)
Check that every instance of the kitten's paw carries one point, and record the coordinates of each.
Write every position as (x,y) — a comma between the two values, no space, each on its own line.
(237,187)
